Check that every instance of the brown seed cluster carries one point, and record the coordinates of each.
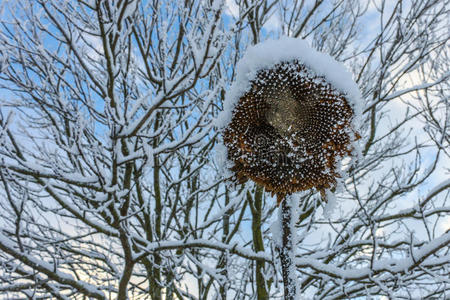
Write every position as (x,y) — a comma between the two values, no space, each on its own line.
(287,131)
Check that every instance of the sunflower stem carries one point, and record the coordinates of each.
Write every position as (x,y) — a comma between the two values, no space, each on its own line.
(287,248)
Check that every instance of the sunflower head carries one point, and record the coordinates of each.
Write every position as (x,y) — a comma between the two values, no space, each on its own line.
(288,131)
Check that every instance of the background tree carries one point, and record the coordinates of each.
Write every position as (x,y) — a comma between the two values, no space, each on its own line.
(112,183)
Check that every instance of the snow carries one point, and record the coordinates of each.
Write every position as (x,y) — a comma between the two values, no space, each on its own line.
(223,164)
(49,269)
(212,244)
(271,52)
(219,214)
(130,9)
(424,254)
(331,204)
(438,188)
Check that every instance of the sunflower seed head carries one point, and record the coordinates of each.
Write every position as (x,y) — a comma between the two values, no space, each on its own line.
(288,130)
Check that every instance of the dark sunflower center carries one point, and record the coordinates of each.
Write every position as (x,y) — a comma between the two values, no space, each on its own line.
(288,115)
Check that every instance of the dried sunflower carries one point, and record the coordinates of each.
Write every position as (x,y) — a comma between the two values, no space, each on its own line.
(289,130)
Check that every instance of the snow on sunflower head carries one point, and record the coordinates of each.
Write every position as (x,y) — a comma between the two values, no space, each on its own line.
(292,119)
